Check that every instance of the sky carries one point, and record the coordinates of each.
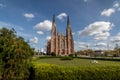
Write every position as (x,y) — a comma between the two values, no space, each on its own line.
(95,23)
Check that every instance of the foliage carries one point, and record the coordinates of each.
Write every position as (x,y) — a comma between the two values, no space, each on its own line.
(15,55)
(53,54)
(71,55)
(117,52)
(88,52)
(76,54)
(54,72)
(66,58)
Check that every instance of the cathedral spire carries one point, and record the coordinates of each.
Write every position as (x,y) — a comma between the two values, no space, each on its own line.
(53,26)
(68,21)
(68,29)
(53,23)
(53,36)
(61,44)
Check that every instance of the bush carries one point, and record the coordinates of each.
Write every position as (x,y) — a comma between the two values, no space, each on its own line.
(71,55)
(66,58)
(75,54)
(54,72)
(53,54)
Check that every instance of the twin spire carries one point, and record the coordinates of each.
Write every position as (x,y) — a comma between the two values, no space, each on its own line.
(68,20)
(68,29)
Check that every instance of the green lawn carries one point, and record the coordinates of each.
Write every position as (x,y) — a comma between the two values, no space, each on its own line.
(78,62)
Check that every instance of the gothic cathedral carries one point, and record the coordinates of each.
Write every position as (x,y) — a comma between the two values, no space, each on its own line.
(61,44)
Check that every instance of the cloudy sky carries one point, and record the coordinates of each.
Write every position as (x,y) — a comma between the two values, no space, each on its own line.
(95,23)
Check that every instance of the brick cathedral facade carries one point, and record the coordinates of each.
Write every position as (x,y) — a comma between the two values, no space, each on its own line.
(61,44)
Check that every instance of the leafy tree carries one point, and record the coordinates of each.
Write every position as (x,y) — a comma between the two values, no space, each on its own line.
(15,55)
(81,52)
(90,52)
(117,51)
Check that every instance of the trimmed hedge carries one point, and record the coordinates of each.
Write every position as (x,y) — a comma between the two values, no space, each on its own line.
(44,57)
(54,72)
(92,58)
(66,58)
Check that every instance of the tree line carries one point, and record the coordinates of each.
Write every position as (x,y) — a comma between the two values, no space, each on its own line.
(103,53)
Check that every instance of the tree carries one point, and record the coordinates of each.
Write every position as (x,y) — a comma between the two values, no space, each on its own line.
(15,55)
(90,52)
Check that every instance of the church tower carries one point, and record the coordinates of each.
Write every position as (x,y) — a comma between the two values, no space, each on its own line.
(61,44)
(70,41)
(53,36)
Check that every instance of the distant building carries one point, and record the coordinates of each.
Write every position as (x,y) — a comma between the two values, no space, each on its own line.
(99,52)
(61,44)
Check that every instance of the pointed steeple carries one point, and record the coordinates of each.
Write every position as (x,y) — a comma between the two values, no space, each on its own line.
(69,40)
(68,29)
(53,35)
(53,31)
(68,21)
(53,22)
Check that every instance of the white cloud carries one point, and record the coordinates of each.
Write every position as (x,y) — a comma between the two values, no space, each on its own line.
(75,42)
(2,5)
(115,38)
(40,32)
(34,40)
(82,46)
(96,28)
(48,37)
(10,25)
(73,33)
(18,29)
(118,34)
(25,35)
(118,9)
(108,12)
(85,0)
(83,43)
(102,36)
(46,25)
(79,45)
(101,44)
(116,5)
(62,16)
(29,15)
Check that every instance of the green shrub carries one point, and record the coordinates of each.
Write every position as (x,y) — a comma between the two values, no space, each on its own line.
(71,55)
(75,54)
(66,58)
(53,54)
(54,72)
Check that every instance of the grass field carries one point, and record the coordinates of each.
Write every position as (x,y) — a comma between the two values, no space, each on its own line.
(77,62)
(52,68)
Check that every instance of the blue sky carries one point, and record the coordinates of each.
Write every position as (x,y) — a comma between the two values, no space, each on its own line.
(94,23)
